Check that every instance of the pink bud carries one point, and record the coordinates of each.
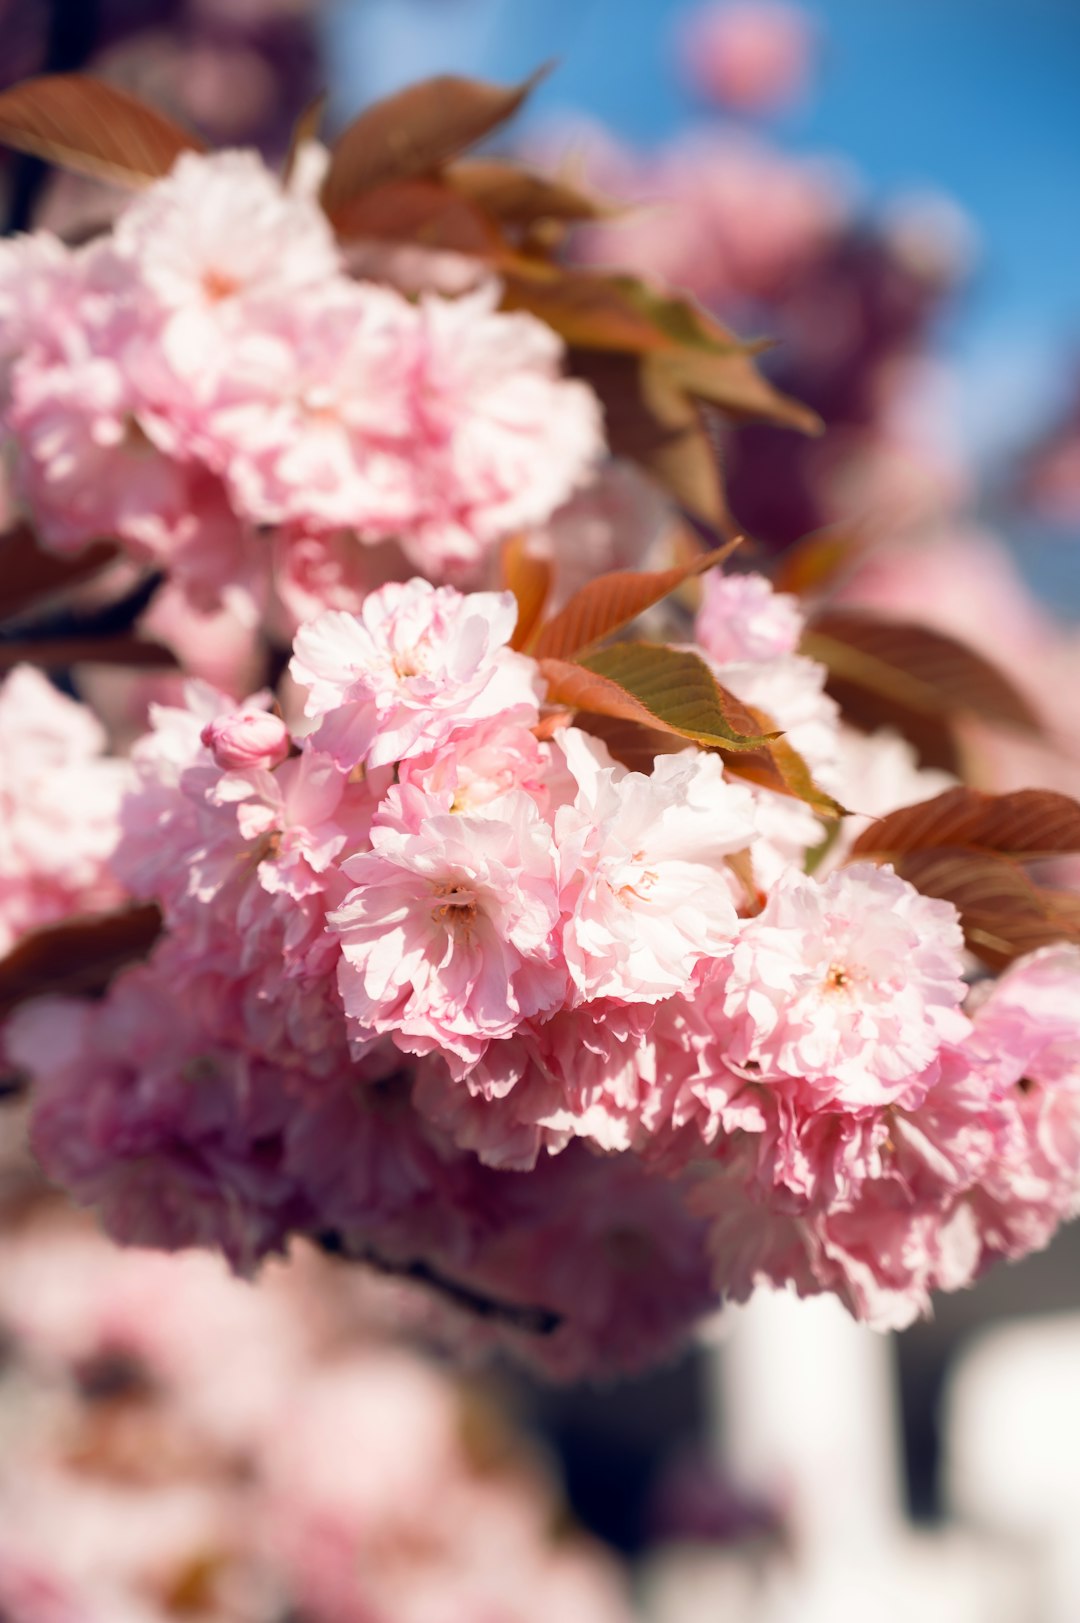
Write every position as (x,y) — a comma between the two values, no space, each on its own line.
(754,56)
(245,739)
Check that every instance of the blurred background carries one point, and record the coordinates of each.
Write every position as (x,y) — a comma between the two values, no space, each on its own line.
(888,191)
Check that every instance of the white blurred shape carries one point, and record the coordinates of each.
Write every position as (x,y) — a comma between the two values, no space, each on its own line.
(921,1578)
(810,1422)
(1011,1465)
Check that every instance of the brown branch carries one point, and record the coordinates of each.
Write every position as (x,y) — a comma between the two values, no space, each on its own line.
(537,1321)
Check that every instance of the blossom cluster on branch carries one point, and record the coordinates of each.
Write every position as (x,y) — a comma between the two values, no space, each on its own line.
(437,971)
(206,384)
(590,980)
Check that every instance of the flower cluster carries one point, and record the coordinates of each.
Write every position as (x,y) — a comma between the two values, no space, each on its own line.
(318,1470)
(209,385)
(444,984)
(59,803)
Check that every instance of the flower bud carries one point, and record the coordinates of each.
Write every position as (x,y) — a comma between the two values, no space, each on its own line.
(245,739)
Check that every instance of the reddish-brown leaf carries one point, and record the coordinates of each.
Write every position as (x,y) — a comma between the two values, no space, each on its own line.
(1024,826)
(780,767)
(81,955)
(659,429)
(578,689)
(87,125)
(818,561)
(610,602)
(517,197)
(1003,911)
(54,653)
(733,382)
(775,766)
(528,576)
(415,131)
(971,849)
(632,743)
(424,213)
(28,574)
(894,673)
(586,310)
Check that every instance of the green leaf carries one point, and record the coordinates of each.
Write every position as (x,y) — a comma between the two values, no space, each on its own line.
(780,767)
(677,691)
(681,320)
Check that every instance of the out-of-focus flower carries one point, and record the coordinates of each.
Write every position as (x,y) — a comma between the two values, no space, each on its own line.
(59,807)
(752,56)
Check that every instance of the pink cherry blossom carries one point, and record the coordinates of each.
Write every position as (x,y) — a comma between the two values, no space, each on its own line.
(646,893)
(311,425)
(246,739)
(616,1254)
(877,1208)
(82,464)
(504,439)
(217,232)
(595,1072)
(244,865)
(619,520)
(417,664)
(1026,1031)
(321,1466)
(449,939)
(719,212)
(480,764)
(328,570)
(742,618)
(59,807)
(853,985)
(790,690)
(749,55)
(146,1111)
(37,281)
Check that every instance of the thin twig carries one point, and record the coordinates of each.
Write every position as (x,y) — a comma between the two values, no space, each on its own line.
(537,1321)
(110,621)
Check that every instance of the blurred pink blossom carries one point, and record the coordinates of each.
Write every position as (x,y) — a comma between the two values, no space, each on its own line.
(752,56)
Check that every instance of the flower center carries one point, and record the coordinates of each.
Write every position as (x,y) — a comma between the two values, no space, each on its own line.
(218,285)
(638,886)
(457,908)
(838,978)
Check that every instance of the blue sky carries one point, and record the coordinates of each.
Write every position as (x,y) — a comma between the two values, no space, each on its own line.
(977,98)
